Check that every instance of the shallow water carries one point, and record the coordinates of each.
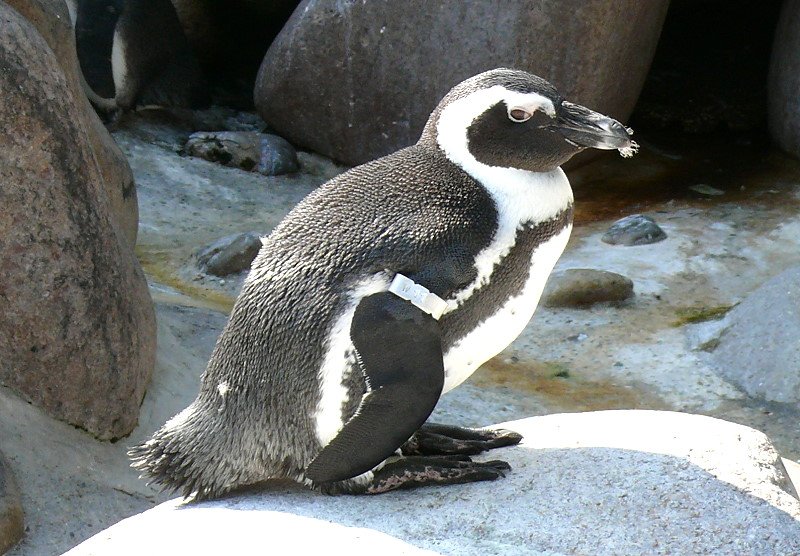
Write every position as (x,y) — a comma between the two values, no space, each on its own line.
(746,169)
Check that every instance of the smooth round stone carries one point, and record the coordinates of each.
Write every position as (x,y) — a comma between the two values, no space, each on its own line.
(636,229)
(231,254)
(277,156)
(584,287)
(266,153)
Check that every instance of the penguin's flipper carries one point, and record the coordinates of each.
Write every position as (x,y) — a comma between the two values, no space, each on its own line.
(434,439)
(400,352)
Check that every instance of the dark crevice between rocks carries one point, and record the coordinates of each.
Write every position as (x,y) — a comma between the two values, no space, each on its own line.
(710,69)
(244,31)
(701,119)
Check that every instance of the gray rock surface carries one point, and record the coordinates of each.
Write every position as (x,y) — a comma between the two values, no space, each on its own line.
(223,118)
(358,80)
(784,80)
(230,254)
(636,229)
(612,482)
(584,287)
(760,349)
(268,154)
(51,19)
(77,329)
(12,524)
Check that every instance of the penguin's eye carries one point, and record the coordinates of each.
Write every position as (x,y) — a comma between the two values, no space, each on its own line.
(519,115)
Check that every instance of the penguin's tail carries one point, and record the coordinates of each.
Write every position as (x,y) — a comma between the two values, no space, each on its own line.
(181,457)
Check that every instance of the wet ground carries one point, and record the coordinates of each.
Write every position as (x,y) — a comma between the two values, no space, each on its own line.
(729,207)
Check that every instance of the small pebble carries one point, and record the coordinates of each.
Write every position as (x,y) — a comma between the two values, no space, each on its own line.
(230,255)
(277,156)
(636,229)
(705,189)
(584,287)
(265,153)
(577,337)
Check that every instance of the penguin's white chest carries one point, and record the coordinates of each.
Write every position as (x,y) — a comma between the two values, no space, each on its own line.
(495,333)
(521,198)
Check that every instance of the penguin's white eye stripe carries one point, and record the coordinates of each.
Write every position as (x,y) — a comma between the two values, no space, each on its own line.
(519,115)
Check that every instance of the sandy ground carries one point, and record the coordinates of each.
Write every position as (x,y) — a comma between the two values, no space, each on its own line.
(639,355)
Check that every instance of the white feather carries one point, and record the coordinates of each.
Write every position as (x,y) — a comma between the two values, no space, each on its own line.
(119,65)
(495,333)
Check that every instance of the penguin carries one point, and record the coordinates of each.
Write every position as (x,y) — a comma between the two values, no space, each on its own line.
(136,52)
(379,292)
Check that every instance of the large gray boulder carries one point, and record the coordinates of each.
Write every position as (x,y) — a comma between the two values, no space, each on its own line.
(357,80)
(52,21)
(77,328)
(601,483)
(759,350)
(784,80)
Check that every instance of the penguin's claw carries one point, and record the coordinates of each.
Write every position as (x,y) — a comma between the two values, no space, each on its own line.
(433,439)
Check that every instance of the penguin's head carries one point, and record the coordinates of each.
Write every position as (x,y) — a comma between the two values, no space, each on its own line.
(513,119)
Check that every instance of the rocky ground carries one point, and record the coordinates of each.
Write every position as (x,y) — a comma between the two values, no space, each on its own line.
(605,483)
(731,219)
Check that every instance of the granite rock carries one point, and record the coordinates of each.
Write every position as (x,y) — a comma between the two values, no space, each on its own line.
(602,483)
(759,350)
(357,80)
(784,80)
(52,21)
(231,254)
(263,152)
(77,329)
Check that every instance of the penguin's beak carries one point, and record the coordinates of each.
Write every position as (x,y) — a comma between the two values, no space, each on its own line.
(589,129)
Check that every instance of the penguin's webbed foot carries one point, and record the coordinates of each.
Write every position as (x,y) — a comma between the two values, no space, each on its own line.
(433,439)
(417,471)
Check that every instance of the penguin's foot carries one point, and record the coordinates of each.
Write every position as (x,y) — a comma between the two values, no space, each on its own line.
(432,439)
(417,471)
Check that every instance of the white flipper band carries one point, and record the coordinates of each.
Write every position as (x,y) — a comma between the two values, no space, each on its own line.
(419,296)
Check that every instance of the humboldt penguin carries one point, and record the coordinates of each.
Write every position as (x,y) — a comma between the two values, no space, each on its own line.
(135,53)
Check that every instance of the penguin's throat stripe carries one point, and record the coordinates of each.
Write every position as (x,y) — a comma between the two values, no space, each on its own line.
(419,296)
